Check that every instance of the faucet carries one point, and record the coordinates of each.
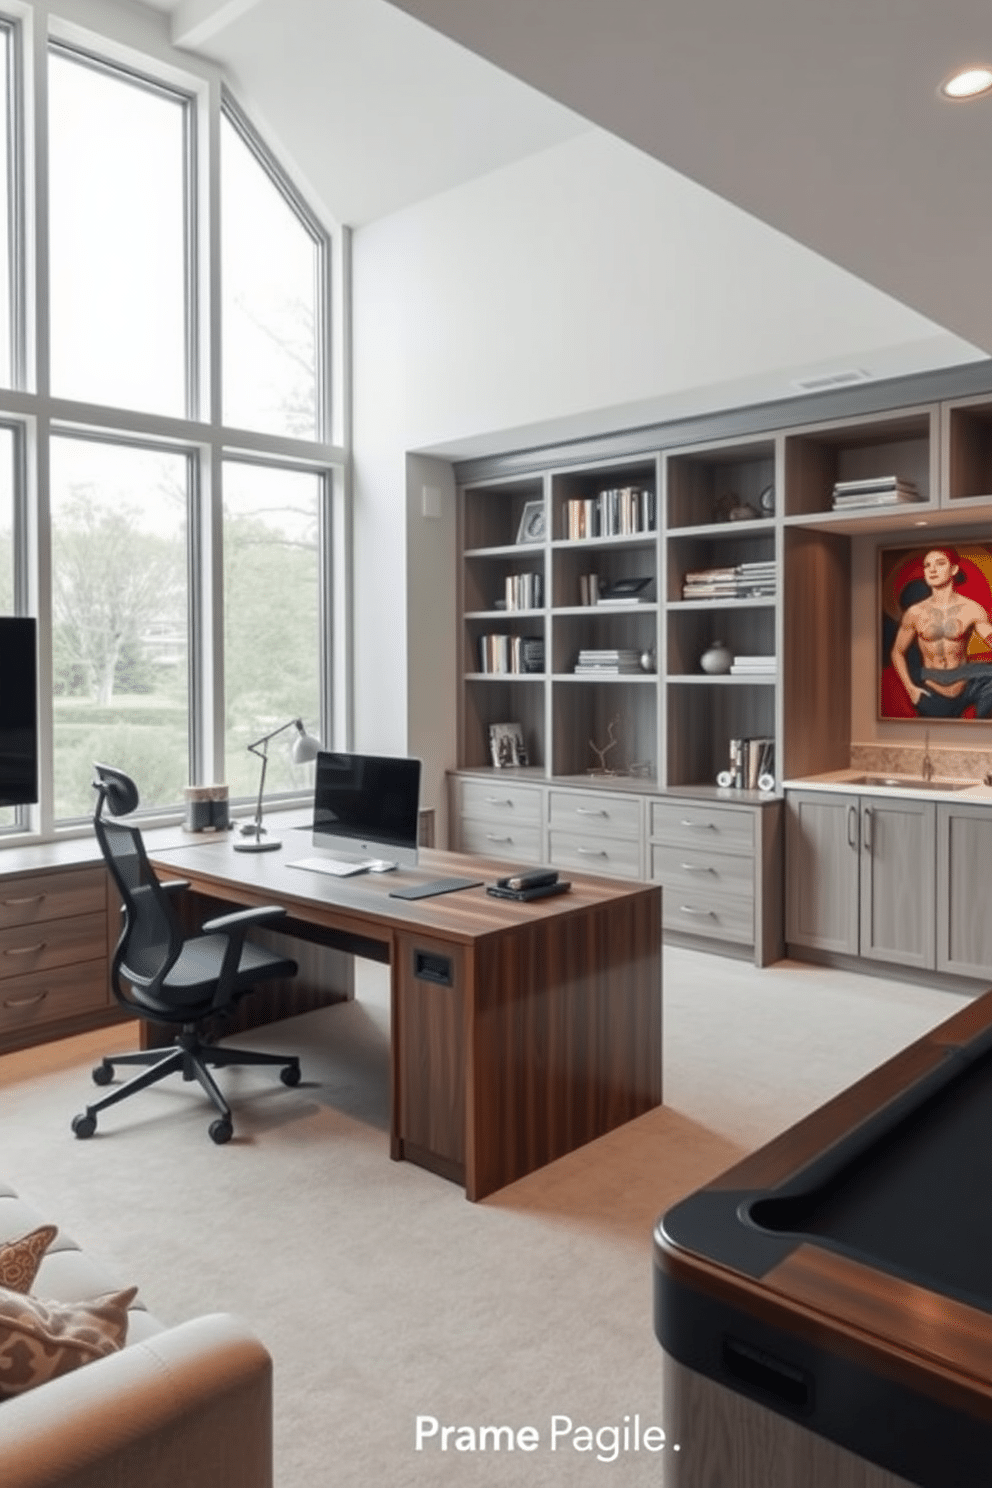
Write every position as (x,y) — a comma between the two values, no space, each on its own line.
(926,768)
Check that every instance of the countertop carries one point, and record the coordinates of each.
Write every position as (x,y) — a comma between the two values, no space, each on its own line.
(854,780)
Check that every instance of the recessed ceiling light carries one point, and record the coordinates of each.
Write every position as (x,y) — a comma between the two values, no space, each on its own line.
(970,82)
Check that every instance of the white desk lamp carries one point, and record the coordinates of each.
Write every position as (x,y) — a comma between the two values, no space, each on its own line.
(305,749)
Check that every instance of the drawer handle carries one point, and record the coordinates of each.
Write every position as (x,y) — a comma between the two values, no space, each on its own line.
(26,950)
(691,910)
(498,801)
(695,868)
(589,811)
(493,837)
(593,852)
(25,899)
(23,1002)
(699,826)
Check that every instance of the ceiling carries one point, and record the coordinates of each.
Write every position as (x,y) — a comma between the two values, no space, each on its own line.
(377,110)
(820,119)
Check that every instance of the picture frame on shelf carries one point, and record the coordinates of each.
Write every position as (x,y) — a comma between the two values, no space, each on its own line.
(533,522)
(941,590)
(506,745)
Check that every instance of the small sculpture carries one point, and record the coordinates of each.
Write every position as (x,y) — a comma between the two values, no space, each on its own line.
(612,742)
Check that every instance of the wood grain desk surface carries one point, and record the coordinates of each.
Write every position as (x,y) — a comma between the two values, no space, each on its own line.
(365,899)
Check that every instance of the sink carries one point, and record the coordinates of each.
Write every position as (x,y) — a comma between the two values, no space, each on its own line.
(909,782)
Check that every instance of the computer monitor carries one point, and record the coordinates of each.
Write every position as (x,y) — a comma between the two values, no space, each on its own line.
(367,806)
(18,710)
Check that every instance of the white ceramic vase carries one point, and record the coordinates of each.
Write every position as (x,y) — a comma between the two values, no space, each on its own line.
(717,659)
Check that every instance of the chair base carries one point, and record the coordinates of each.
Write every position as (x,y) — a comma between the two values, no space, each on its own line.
(191,1057)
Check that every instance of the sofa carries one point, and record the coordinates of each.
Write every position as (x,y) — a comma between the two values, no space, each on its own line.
(173,1407)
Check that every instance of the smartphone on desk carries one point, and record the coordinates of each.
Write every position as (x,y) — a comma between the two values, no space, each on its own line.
(536,878)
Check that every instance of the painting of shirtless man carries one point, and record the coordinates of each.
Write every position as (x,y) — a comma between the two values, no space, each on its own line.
(937,632)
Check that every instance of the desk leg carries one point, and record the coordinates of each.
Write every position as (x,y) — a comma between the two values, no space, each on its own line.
(566,1036)
(523,1046)
(428,1053)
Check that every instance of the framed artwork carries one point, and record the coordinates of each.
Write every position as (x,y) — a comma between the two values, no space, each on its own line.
(935,632)
(506,745)
(532,523)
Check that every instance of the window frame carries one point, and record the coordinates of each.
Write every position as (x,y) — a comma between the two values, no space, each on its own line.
(29,408)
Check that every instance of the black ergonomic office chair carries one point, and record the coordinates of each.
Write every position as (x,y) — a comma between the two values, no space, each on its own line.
(159,974)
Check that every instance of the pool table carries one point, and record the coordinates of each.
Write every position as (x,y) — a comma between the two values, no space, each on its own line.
(825,1306)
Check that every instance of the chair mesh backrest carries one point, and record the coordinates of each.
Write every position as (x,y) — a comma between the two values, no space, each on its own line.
(152,939)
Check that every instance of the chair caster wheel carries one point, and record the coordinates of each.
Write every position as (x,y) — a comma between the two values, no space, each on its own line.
(290,1075)
(221,1131)
(84,1125)
(104,1073)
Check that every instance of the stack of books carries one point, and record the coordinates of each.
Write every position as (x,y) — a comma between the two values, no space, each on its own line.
(753,666)
(879,490)
(524,591)
(614,513)
(749,760)
(511,653)
(610,663)
(737,581)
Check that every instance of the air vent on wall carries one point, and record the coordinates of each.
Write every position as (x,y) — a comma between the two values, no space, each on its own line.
(831,380)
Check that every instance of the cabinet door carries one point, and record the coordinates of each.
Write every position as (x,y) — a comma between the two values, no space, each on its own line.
(898,881)
(822,844)
(964,924)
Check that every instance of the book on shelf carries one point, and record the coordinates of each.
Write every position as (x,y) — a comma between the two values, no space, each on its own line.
(753,666)
(883,490)
(750,760)
(589,589)
(607,669)
(499,654)
(752,580)
(611,661)
(523,591)
(621,512)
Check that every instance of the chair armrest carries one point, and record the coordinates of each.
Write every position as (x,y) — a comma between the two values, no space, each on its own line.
(191,1405)
(241,919)
(173,885)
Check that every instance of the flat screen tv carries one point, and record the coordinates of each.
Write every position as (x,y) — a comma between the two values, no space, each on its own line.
(18,710)
(367,805)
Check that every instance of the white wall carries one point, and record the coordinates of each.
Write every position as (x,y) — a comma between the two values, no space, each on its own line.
(585,288)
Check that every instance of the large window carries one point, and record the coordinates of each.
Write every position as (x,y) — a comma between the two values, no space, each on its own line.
(273,301)
(120,602)
(271,616)
(166,465)
(118,229)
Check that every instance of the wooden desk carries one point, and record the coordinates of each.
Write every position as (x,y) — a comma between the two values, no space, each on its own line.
(825,1307)
(519,1031)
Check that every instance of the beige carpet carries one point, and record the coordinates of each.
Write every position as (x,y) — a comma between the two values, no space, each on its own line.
(381,1292)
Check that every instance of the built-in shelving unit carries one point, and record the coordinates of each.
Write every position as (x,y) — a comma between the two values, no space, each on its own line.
(744,539)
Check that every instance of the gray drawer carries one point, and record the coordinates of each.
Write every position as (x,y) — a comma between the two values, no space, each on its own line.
(723,829)
(593,814)
(502,840)
(689,870)
(498,801)
(617,857)
(716,917)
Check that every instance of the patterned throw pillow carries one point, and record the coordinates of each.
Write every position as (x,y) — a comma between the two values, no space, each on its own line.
(40,1340)
(20,1259)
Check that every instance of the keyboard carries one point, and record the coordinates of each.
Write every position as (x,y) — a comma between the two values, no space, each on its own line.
(336,867)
